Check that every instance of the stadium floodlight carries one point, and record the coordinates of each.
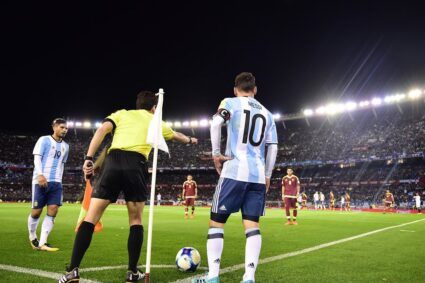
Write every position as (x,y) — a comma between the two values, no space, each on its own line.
(169,124)
(350,106)
(194,123)
(177,124)
(203,123)
(321,110)
(332,108)
(276,116)
(186,124)
(87,124)
(415,93)
(376,101)
(78,124)
(308,112)
(98,124)
(70,124)
(364,103)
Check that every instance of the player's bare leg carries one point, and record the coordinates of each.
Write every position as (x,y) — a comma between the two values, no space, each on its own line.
(186,212)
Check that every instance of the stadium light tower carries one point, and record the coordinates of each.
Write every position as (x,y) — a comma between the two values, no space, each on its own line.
(177,124)
(194,124)
(186,124)
(308,112)
(204,123)
(276,116)
(415,93)
(376,101)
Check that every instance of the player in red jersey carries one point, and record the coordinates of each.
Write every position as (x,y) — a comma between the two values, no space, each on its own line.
(303,200)
(190,193)
(347,202)
(331,201)
(388,201)
(290,191)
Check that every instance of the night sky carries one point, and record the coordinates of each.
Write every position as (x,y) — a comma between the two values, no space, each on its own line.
(85,60)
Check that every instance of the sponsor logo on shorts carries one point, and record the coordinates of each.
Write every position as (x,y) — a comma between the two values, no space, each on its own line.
(223,208)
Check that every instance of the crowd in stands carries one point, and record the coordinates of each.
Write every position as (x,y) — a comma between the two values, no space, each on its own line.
(363,153)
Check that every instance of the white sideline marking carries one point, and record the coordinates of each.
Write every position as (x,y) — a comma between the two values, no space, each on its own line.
(411,231)
(40,273)
(100,268)
(304,251)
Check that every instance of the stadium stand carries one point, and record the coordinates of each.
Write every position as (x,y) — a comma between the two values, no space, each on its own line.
(363,152)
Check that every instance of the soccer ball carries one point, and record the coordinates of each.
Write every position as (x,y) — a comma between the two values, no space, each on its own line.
(188,259)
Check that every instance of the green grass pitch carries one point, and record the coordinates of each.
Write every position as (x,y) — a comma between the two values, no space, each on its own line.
(394,255)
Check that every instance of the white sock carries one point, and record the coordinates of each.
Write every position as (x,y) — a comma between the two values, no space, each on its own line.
(214,250)
(252,252)
(32,227)
(46,228)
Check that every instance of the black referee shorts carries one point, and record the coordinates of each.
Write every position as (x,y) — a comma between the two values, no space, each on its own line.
(123,171)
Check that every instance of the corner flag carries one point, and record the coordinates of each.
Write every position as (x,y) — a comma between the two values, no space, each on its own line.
(155,136)
(85,207)
(156,139)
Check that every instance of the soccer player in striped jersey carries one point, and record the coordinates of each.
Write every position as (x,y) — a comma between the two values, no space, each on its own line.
(50,156)
(245,174)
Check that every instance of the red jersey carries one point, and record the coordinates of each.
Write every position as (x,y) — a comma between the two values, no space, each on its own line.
(389,197)
(291,184)
(189,189)
(347,198)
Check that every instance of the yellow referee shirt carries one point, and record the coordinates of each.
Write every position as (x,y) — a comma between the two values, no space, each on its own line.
(131,129)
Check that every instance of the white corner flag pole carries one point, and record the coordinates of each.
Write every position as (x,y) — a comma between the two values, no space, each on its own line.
(155,138)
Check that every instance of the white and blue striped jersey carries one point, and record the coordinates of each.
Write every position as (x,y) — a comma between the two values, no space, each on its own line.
(249,128)
(53,158)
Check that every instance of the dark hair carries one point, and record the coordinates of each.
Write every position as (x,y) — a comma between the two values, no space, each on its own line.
(58,121)
(146,100)
(245,82)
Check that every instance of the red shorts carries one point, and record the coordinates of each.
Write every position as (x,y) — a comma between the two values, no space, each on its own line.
(290,202)
(190,201)
(388,204)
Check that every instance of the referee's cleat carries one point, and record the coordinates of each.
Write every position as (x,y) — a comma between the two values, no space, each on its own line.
(204,279)
(34,244)
(134,277)
(71,276)
(46,247)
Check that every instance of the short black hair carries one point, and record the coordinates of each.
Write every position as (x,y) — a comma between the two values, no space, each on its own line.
(58,121)
(146,100)
(245,82)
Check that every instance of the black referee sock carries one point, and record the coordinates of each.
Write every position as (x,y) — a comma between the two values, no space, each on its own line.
(134,246)
(81,243)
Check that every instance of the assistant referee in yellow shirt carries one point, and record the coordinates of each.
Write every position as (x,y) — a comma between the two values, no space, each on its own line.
(125,170)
